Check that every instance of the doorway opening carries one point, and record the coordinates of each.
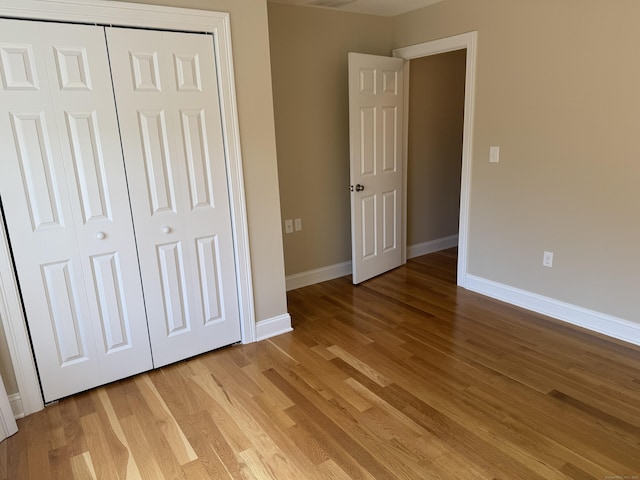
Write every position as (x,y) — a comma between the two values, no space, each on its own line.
(466,42)
(434,156)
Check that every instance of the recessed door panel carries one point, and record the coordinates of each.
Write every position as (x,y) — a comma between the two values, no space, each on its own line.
(390,81)
(368,80)
(145,71)
(89,165)
(73,68)
(389,221)
(368,238)
(188,72)
(114,315)
(198,162)
(157,161)
(61,288)
(210,280)
(390,140)
(368,140)
(18,66)
(174,293)
(37,168)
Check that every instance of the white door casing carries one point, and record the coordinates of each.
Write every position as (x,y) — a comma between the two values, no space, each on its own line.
(66,206)
(467,41)
(166,90)
(375,133)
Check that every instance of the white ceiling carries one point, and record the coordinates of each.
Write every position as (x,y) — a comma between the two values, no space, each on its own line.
(385,8)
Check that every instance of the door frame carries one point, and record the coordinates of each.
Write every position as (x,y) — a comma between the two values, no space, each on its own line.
(145,16)
(463,41)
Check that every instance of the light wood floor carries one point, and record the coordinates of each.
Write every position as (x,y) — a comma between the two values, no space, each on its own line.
(405,376)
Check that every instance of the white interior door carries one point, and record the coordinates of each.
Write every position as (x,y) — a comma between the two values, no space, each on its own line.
(375,135)
(65,198)
(167,96)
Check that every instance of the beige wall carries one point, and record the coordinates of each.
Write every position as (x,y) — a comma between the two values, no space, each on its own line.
(557,90)
(309,63)
(436,114)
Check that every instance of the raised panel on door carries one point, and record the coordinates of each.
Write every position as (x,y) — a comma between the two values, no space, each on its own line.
(169,112)
(375,102)
(65,199)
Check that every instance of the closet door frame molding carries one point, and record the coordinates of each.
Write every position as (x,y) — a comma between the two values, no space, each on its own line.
(123,14)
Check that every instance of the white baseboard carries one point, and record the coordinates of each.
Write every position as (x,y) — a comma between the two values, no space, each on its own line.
(273,326)
(304,279)
(16,405)
(598,322)
(432,246)
(312,277)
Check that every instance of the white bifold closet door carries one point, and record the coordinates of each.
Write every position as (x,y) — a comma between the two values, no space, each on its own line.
(121,237)
(166,91)
(65,199)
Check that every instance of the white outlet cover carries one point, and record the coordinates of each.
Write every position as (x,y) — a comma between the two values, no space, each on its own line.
(547,259)
(494,154)
(288,226)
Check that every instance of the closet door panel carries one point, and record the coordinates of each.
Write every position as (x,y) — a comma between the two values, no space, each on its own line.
(65,198)
(169,111)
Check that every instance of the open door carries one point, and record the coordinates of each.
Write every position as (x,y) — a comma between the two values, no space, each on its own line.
(375,135)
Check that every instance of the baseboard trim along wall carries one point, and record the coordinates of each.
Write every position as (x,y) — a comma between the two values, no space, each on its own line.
(16,405)
(304,279)
(432,246)
(595,321)
(318,275)
(273,326)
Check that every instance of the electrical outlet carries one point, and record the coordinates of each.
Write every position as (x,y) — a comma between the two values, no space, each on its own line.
(547,259)
(494,154)
(288,226)
(297,223)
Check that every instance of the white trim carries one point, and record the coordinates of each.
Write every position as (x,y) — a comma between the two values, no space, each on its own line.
(152,16)
(318,275)
(432,246)
(273,326)
(589,319)
(8,425)
(469,42)
(405,155)
(15,330)
(16,405)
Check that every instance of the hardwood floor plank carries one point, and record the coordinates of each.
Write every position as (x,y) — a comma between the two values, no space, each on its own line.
(405,376)
(159,411)
(101,463)
(82,467)
(304,408)
(155,435)
(147,464)
(116,440)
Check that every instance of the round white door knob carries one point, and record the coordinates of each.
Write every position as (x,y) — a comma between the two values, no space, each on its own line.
(166,229)
(100,235)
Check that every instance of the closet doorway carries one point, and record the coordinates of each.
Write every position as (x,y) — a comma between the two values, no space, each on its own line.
(173,278)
